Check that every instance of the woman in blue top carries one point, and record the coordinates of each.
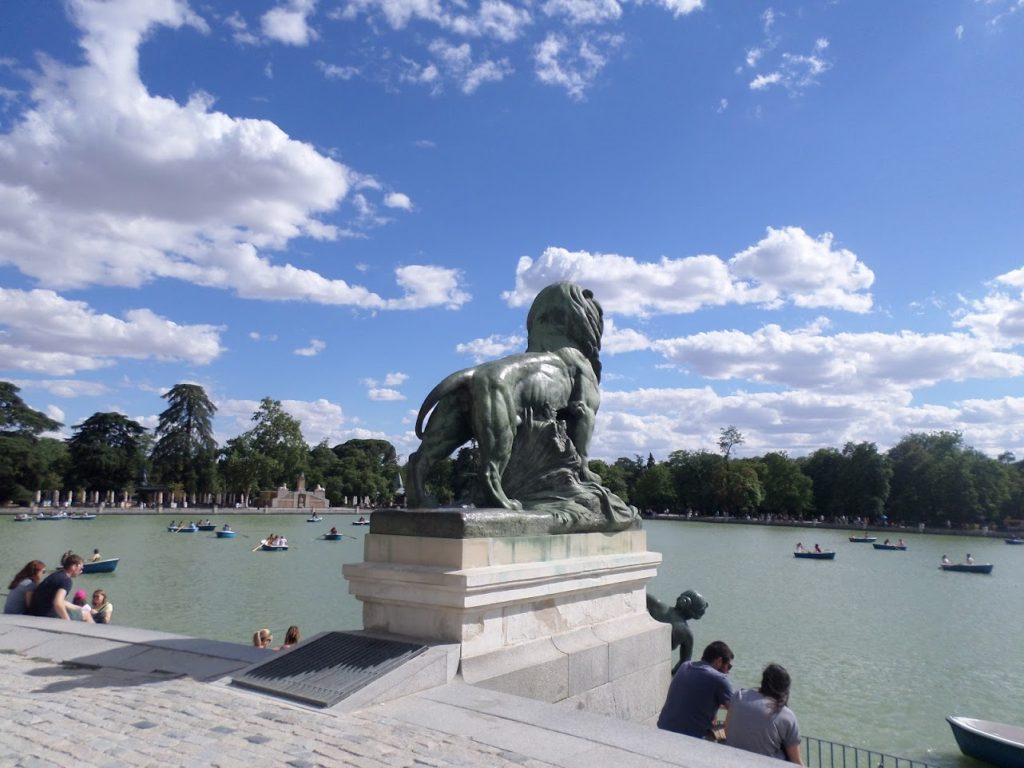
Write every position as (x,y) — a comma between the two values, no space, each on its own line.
(22,586)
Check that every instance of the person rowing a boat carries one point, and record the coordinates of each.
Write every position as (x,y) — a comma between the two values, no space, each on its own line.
(96,556)
(800,547)
(946,560)
(969,560)
(334,531)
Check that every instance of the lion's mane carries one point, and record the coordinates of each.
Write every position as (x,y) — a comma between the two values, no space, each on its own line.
(565,315)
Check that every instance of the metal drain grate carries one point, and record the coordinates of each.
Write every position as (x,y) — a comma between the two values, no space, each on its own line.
(328,668)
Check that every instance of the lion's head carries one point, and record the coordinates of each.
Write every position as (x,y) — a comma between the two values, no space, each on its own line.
(566,315)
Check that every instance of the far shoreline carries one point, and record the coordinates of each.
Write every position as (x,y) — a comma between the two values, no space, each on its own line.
(981,533)
(210,512)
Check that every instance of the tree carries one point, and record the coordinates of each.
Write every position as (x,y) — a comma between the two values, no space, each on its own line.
(787,490)
(367,468)
(699,480)
(107,452)
(325,469)
(185,450)
(26,462)
(936,479)
(864,481)
(241,466)
(729,438)
(277,440)
(825,468)
(655,490)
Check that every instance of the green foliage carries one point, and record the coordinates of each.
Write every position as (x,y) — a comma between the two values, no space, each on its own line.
(655,489)
(185,450)
(27,462)
(699,480)
(787,490)
(367,468)
(107,452)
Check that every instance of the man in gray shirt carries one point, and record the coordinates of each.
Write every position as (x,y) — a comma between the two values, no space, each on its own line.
(697,691)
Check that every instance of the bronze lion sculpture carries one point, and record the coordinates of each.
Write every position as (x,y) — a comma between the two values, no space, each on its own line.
(555,379)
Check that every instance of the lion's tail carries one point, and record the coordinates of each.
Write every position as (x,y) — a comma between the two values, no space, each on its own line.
(447,385)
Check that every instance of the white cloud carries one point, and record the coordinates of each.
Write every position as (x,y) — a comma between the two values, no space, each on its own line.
(584,11)
(810,272)
(384,393)
(315,347)
(289,23)
(844,362)
(240,30)
(797,421)
(679,7)
(55,413)
(64,387)
(787,265)
(334,72)
(959,32)
(619,340)
(398,200)
(104,183)
(457,61)
(495,18)
(794,72)
(999,316)
(761,82)
(573,66)
(46,333)
(257,336)
(387,392)
(491,348)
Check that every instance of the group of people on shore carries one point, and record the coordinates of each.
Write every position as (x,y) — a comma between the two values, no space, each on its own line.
(264,638)
(757,719)
(32,594)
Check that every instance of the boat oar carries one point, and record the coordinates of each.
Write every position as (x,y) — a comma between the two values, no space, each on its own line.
(259,545)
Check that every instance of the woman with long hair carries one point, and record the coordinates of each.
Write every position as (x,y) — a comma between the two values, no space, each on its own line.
(23,585)
(262,638)
(50,598)
(101,609)
(760,720)
(291,637)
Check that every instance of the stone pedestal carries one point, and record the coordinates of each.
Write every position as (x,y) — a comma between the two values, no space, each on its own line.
(559,618)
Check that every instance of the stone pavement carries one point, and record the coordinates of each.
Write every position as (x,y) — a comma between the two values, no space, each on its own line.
(147,698)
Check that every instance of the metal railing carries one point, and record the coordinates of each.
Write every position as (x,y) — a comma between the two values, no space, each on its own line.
(819,753)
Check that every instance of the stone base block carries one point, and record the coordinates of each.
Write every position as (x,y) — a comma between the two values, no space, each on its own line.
(560,618)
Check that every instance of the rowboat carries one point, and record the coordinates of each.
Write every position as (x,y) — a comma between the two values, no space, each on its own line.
(863,539)
(967,567)
(21,517)
(1014,540)
(360,522)
(83,516)
(274,548)
(828,555)
(890,546)
(183,529)
(101,566)
(994,743)
(52,516)
(334,536)
(314,519)
(226,534)
(207,526)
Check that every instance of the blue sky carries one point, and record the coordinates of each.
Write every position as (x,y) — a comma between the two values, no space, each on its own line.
(803,219)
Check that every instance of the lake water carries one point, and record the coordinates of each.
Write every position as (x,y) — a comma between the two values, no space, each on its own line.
(881,645)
